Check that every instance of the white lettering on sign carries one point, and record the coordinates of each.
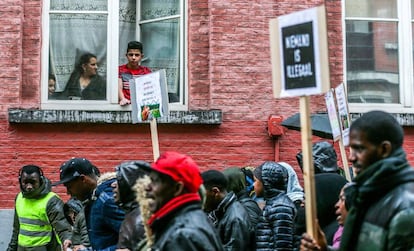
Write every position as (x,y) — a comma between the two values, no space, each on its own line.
(299,70)
(297,41)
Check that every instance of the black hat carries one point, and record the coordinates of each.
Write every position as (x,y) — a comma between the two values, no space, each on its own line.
(73,168)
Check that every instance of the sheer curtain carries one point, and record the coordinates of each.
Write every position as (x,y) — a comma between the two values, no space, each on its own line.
(127,27)
(74,32)
(160,35)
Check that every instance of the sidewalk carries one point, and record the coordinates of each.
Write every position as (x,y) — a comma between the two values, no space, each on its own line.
(6,227)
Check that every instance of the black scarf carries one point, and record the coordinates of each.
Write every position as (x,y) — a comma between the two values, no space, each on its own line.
(370,186)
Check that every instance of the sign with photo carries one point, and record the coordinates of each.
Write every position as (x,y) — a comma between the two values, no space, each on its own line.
(332,114)
(299,52)
(344,119)
(149,96)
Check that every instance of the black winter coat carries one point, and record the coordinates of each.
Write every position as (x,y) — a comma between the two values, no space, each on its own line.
(275,230)
(186,228)
(230,220)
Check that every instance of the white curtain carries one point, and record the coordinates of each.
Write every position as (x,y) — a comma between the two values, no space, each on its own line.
(161,39)
(72,34)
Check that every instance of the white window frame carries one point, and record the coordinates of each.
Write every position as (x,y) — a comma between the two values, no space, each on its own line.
(405,61)
(111,104)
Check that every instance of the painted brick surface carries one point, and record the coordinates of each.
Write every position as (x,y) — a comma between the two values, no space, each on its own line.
(228,69)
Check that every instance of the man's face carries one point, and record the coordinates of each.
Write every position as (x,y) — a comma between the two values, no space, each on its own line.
(77,188)
(160,190)
(258,187)
(362,152)
(341,211)
(30,182)
(211,199)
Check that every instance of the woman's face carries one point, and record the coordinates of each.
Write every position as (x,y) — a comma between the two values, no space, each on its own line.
(90,69)
(341,211)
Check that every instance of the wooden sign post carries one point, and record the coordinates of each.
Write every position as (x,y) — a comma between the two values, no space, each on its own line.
(308,170)
(154,139)
(300,67)
(336,130)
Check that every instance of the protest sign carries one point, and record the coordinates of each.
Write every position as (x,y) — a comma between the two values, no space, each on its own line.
(299,53)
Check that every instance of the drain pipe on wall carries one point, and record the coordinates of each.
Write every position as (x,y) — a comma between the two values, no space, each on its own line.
(275,130)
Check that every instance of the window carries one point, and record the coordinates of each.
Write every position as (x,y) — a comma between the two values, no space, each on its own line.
(379,57)
(78,36)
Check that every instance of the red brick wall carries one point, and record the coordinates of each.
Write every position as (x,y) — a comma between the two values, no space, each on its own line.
(229,69)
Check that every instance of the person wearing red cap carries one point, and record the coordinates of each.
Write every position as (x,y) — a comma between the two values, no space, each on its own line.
(177,221)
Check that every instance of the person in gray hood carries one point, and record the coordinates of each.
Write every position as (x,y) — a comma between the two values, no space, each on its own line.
(132,229)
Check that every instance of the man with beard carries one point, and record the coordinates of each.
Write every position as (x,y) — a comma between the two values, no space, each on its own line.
(177,221)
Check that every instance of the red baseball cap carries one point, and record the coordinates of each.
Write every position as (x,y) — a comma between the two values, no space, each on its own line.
(179,167)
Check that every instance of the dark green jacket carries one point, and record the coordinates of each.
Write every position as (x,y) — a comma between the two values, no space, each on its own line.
(382,215)
(54,210)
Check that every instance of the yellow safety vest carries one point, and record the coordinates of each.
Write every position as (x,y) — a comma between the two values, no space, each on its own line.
(35,228)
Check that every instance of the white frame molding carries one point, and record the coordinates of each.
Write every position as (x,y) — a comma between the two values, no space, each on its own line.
(405,61)
(111,104)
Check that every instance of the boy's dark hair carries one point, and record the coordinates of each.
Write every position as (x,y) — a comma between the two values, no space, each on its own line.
(214,178)
(379,126)
(135,45)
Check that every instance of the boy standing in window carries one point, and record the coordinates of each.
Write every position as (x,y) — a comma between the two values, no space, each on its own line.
(130,70)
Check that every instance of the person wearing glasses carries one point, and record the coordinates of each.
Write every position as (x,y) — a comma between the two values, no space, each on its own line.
(130,70)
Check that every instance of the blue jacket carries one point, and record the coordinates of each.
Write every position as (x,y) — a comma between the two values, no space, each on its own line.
(103,217)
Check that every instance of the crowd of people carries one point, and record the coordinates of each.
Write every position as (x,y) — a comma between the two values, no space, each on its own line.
(171,205)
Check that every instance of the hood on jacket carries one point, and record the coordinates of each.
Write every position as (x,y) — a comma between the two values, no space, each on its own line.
(103,184)
(127,174)
(236,180)
(72,204)
(274,178)
(294,189)
(324,158)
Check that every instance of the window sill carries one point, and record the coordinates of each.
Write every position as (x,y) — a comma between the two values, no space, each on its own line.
(19,116)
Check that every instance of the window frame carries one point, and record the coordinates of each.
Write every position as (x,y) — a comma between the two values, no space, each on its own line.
(405,22)
(111,104)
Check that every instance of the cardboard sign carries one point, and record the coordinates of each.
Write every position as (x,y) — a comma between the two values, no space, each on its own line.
(344,119)
(149,98)
(299,52)
(333,115)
